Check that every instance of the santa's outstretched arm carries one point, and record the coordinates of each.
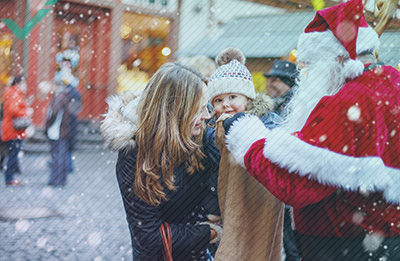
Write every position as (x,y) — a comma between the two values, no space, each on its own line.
(246,140)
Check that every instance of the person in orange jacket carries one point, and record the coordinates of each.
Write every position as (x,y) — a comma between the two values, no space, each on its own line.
(14,107)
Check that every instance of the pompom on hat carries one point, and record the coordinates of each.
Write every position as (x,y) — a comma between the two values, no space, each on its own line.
(340,30)
(231,76)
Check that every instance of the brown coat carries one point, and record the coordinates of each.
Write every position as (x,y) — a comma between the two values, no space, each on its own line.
(252,217)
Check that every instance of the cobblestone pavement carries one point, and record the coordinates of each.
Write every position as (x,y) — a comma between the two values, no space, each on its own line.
(92,225)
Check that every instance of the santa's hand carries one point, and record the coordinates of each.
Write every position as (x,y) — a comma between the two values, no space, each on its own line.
(229,122)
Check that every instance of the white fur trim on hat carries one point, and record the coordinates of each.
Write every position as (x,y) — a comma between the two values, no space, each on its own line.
(317,45)
(352,69)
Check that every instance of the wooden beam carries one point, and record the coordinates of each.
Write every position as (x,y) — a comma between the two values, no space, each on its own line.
(306,6)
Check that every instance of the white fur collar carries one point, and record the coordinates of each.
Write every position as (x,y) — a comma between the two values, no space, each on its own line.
(242,134)
(121,121)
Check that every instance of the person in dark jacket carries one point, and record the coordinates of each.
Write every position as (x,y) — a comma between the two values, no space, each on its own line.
(159,138)
(282,81)
(75,106)
(58,130)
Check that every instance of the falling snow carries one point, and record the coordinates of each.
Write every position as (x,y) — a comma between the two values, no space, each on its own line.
(21,226)
(94,239)
(41,242)
(372,242)
(358,218)
(322,138)
(354,113)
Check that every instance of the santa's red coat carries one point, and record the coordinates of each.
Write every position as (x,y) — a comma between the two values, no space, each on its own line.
(341,172)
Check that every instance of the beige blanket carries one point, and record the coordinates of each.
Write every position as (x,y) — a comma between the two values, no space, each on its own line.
(252,216)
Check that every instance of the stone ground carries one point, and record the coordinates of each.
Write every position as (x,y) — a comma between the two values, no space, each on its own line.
(91,224)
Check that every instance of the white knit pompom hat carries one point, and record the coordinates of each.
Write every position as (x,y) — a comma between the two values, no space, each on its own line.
(232,76)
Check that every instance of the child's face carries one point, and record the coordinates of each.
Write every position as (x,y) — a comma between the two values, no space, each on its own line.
(230,103)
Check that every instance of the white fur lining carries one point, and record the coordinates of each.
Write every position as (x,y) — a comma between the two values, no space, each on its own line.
(242,134)
(315,45)
(367,174)
(352,69)
(120,122)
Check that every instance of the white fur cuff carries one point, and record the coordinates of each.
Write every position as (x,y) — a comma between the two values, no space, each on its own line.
(242,134)
(367,174)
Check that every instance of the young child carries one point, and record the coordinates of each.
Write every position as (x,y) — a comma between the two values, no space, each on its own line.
(248,210)
(231,90)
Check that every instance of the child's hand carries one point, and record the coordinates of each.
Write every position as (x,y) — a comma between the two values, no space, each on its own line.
(223,117)
(220,131)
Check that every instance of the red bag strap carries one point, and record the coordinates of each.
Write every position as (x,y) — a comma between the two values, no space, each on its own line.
(166,237)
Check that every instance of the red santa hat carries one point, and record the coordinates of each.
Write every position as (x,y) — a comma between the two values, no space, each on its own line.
(339,31)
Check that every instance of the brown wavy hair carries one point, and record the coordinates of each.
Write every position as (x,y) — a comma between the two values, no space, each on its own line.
(169,103)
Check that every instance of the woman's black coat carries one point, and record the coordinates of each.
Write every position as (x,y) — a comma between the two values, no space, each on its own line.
(144,220)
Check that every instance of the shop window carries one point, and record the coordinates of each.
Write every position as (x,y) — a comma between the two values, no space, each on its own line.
(155,41)
(163,2)
(5,58)
(144,38)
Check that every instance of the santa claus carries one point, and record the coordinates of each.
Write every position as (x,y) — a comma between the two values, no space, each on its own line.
(337,158)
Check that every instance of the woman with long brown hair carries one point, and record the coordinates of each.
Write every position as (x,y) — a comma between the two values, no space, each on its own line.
(160,165)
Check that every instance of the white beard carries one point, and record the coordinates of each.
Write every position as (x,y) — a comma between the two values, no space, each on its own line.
(322,78)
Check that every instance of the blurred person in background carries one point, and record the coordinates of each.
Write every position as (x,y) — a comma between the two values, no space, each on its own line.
(14,106)
(281,82)
(75,107)
(204,65)
(201,63)
(60,114)
(71,82)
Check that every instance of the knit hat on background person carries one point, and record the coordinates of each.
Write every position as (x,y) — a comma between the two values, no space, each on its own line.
(231,76)
(203,64)
(285,71)
(341,31)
